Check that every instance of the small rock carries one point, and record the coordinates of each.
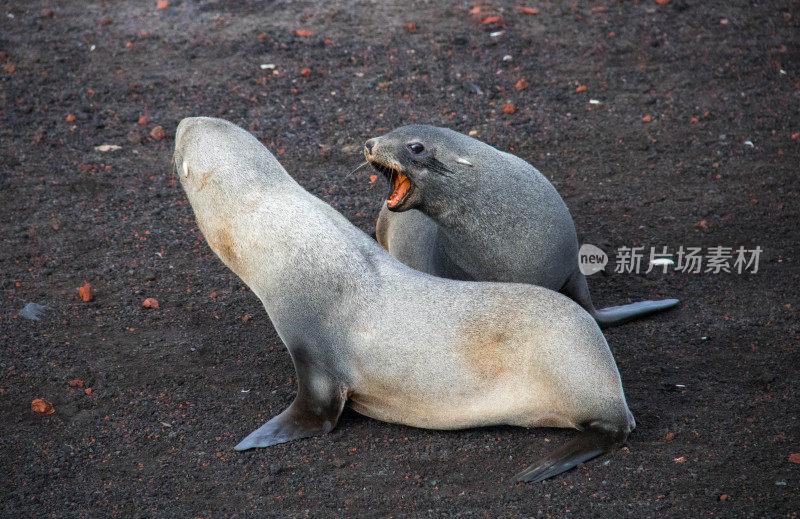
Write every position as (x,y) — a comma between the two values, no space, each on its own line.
(669,437)
(86,292)
(107,147)
(305,72)
(42,406)
(521,84)
(150,302)
(794,457)
(509,108)
(76,383)
(581,88)
(647,119)
(157,133)
(33,311)
(70,118)
(274,469)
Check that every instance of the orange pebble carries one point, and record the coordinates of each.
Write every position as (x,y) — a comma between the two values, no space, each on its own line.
(86,292)
(42,406)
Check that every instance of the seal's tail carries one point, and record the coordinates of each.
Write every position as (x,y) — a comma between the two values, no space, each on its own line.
(593,441)
(577,289)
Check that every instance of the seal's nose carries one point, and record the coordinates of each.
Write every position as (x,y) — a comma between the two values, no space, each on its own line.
(369,145)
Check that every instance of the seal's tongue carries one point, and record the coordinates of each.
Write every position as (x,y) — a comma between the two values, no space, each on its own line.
(401,186)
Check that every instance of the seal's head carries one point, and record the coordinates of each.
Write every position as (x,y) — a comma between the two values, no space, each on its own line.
(415,159)
(229,177)
(203,153)
(220,165)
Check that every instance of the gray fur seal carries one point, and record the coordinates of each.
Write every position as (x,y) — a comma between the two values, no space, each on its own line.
(461,209)
(398,345)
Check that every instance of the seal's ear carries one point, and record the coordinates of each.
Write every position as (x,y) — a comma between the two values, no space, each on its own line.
(463,161)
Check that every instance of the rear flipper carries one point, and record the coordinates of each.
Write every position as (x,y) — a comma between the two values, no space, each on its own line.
(577,289)
(614,315)
(596,439)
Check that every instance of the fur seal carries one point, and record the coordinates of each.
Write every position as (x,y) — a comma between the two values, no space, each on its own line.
(461,209)
(396,344)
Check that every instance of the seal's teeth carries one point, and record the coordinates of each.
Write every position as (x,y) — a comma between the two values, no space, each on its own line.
(185,168)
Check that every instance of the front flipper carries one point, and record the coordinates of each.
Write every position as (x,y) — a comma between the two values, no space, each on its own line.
(314,412)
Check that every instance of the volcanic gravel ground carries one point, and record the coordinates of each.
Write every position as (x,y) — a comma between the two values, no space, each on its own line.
(694,141)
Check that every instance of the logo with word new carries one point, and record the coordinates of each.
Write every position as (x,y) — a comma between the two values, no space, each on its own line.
(591,259)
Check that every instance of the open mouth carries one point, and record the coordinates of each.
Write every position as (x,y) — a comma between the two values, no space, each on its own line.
(400,186)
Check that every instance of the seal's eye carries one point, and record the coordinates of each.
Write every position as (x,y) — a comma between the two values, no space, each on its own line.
(416,148)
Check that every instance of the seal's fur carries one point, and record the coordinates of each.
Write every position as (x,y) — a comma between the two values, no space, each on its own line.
(396,344)
(477,213)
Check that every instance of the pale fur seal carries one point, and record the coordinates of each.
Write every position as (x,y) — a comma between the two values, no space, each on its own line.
(397,344)
(461,209)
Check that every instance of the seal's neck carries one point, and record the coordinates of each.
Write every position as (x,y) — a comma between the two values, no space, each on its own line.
(293,250)
(461,216)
